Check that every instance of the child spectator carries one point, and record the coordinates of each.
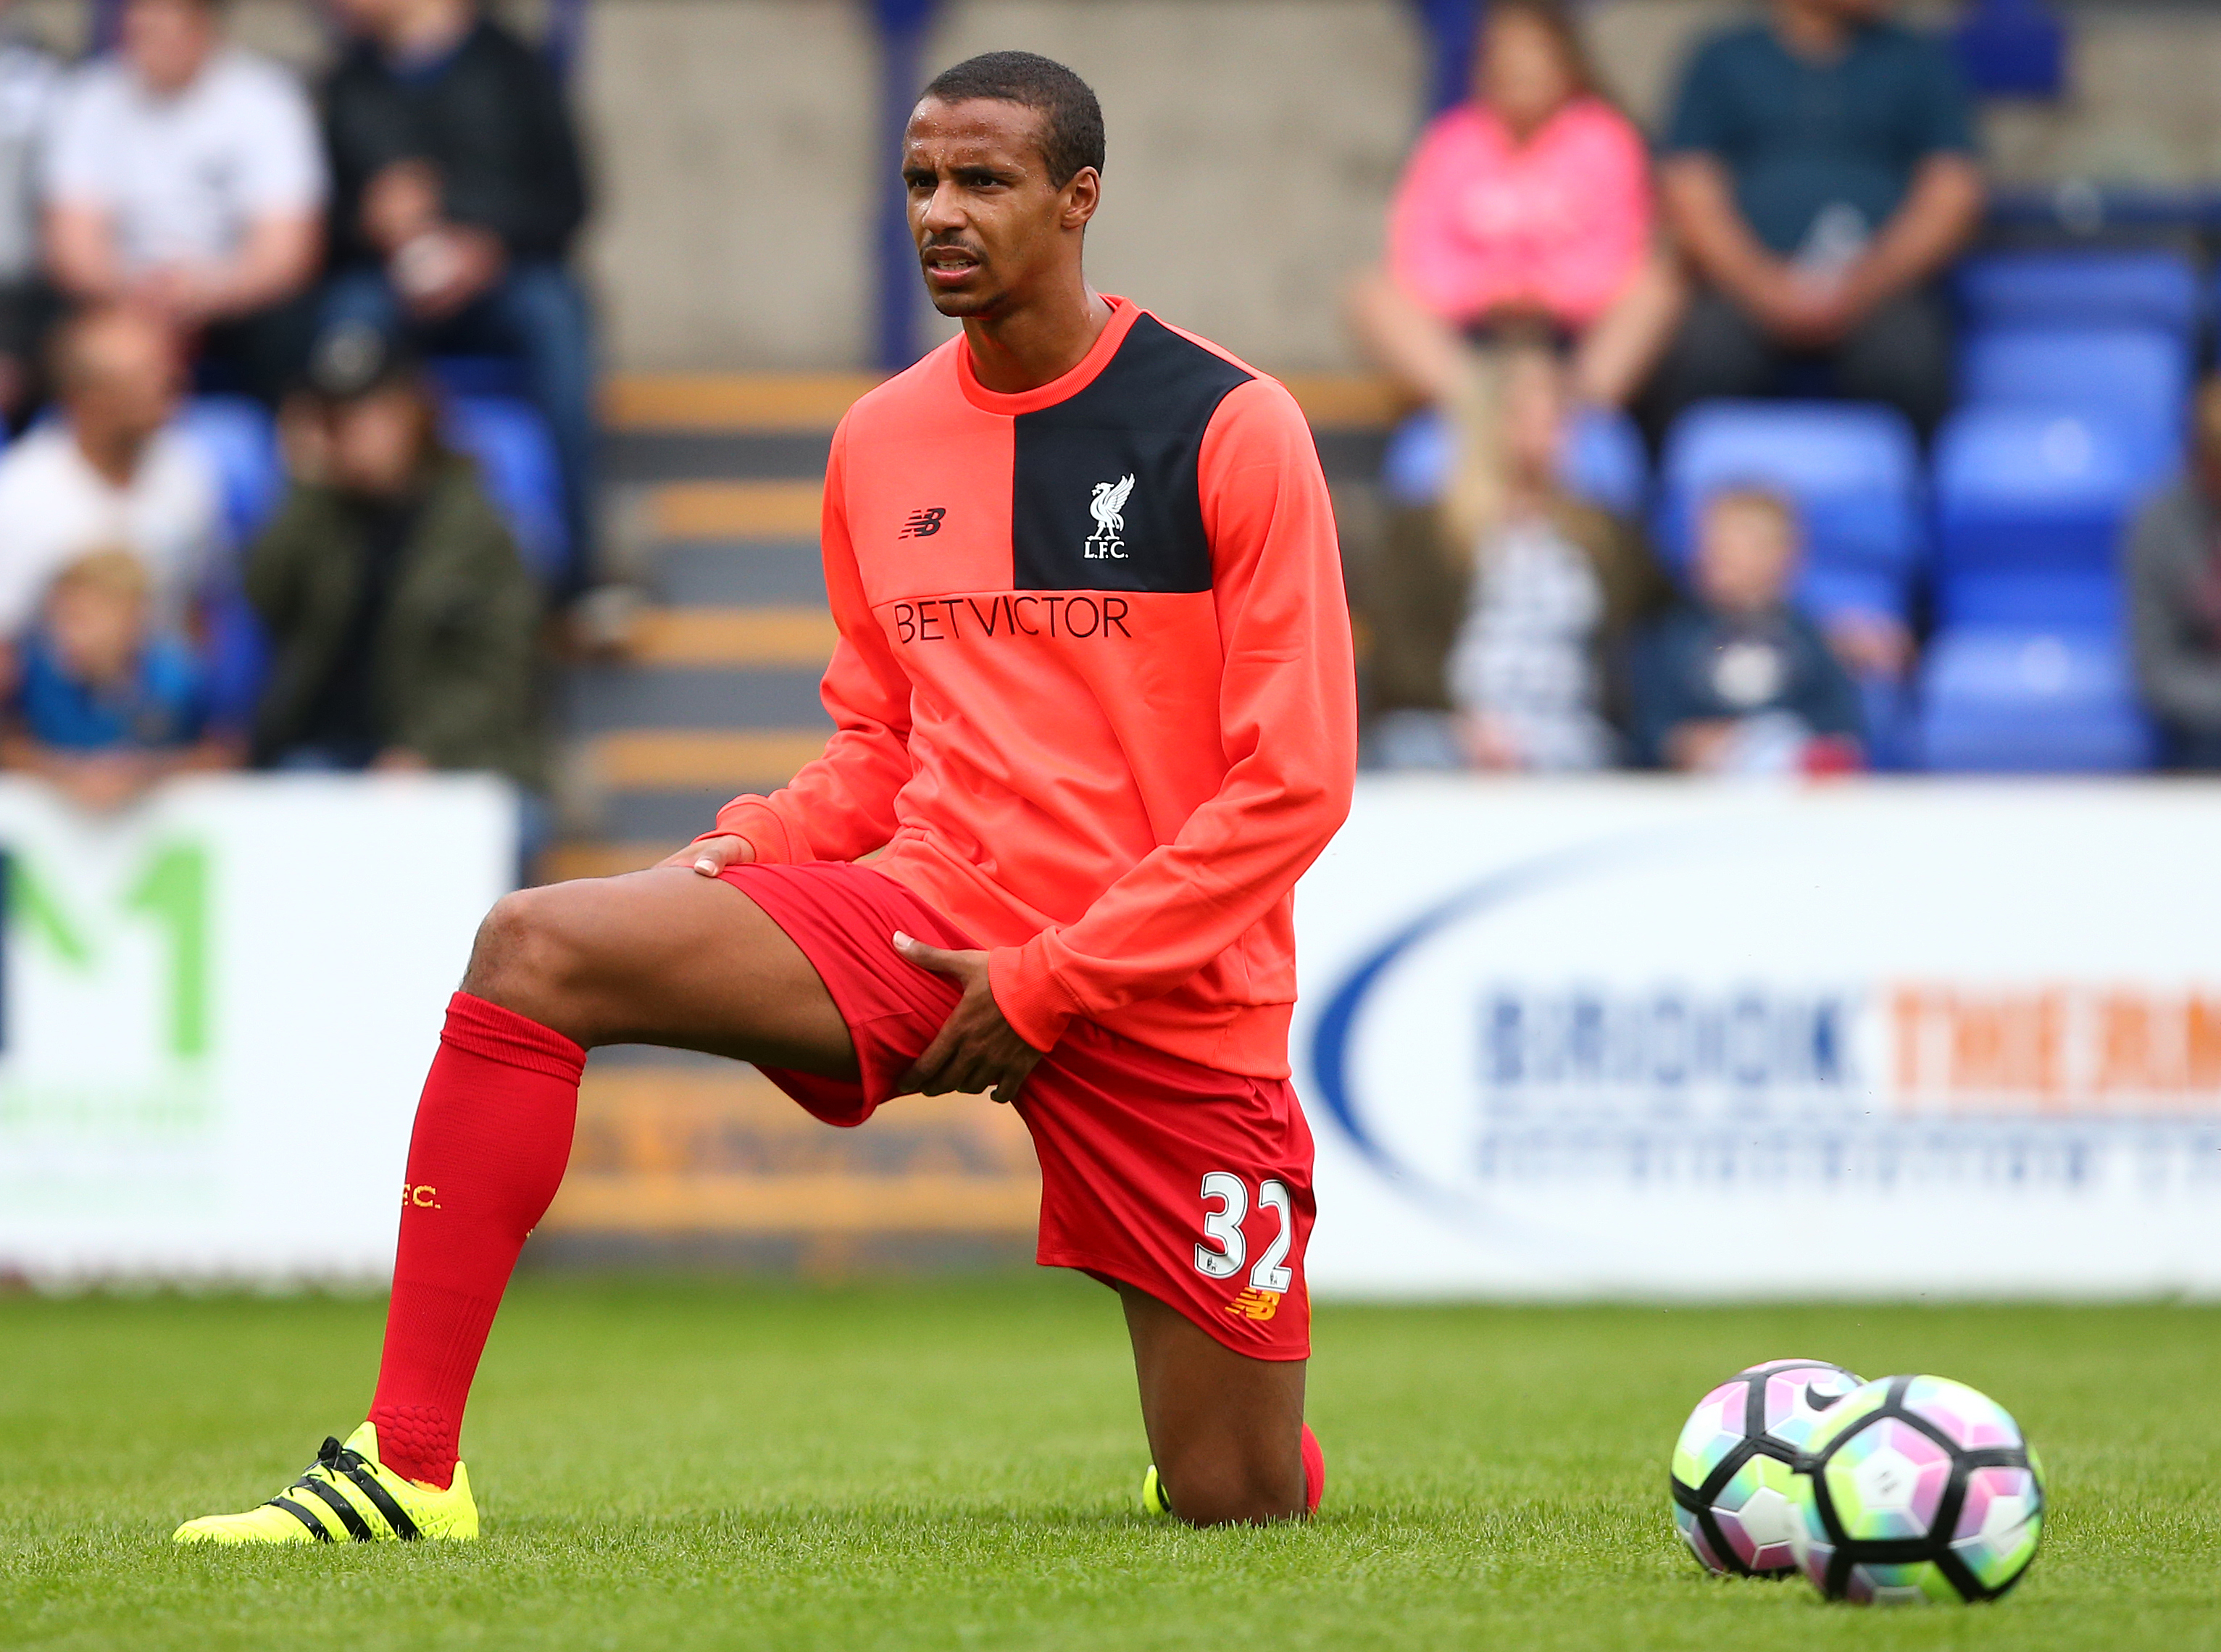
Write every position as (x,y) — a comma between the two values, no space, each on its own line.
(1738,681)
(1497,621)
(1530,203)
(107,705)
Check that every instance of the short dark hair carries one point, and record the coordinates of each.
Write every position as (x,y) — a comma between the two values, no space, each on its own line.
(1071,121)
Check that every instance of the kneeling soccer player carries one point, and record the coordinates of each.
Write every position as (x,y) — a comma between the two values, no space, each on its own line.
(1094,699)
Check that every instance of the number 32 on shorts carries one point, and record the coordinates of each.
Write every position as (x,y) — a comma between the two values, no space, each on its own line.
(1225,1248)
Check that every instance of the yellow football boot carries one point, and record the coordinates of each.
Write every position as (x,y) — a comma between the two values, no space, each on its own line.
(348,1496)
(1154,1500)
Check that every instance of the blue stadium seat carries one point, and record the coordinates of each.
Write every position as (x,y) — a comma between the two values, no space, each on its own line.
(1603,463)
(1416,467)
(2010,700)
(236,651)
(2029,506)
(2011,48)
(1852,469)
(2138,373)
(1892,738)
(516,459)
(2079,289)
(239,439)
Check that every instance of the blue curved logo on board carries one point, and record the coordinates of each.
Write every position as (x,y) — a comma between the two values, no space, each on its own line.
(1331,1036)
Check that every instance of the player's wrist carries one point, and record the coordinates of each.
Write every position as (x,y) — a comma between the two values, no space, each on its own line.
(756,824)
(1033,1004)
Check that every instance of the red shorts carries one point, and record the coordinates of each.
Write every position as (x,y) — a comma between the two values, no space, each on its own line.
(1191,1184)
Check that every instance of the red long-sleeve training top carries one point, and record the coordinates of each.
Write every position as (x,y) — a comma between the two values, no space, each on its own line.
(1093,686)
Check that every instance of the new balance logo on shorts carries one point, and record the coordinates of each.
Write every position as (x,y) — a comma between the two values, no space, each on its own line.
(1255,1305)
(924,524)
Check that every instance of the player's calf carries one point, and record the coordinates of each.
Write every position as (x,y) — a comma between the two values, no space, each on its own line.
(1218,1487)
(1226,1429)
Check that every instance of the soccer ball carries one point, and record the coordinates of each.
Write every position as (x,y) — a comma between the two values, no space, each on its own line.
(1733,1464)
(1917,1488)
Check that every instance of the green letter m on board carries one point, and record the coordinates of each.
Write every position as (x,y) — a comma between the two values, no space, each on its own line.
(170,894)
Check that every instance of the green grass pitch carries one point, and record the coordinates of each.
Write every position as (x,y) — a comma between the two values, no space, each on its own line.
(689,1464)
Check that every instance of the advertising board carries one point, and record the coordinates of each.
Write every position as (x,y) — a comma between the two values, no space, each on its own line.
(1642,1036)
(215,1012)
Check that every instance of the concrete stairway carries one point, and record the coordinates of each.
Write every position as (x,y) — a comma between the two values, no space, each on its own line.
(715,489)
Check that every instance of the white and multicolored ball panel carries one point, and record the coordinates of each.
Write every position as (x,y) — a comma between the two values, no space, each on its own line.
(1916,1489)
(1733,1476)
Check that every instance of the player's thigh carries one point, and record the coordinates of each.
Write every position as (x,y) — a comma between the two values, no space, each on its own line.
(1225,1430)
(664,956)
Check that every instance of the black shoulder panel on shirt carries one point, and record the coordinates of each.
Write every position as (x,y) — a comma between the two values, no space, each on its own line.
(1105,495)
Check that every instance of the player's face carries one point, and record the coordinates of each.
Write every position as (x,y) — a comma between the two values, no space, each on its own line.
(988,223)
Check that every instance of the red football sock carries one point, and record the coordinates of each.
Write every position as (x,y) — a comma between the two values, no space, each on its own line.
(491,1139)
(1314,1471)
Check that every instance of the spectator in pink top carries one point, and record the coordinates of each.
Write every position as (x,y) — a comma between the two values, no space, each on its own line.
(1530,202)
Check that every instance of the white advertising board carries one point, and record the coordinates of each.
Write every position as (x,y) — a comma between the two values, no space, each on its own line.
(1642,1037)
(216,1013)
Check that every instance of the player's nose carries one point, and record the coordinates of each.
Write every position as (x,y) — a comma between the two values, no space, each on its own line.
(944,208)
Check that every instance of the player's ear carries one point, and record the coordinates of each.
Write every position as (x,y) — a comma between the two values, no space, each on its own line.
(1082,195)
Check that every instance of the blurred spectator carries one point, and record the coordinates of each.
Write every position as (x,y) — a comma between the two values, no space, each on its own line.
(1529,202)
(1818,171)
(107,705)
(2174,586)
(110,471)
(458,192)
(403,626)
(29,78)
(183,175)
(1739,682)
(1496,621)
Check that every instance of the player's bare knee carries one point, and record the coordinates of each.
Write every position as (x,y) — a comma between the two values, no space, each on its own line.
(524,953)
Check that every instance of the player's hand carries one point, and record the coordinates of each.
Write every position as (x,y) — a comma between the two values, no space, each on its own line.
(713,855)
(976,1050)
